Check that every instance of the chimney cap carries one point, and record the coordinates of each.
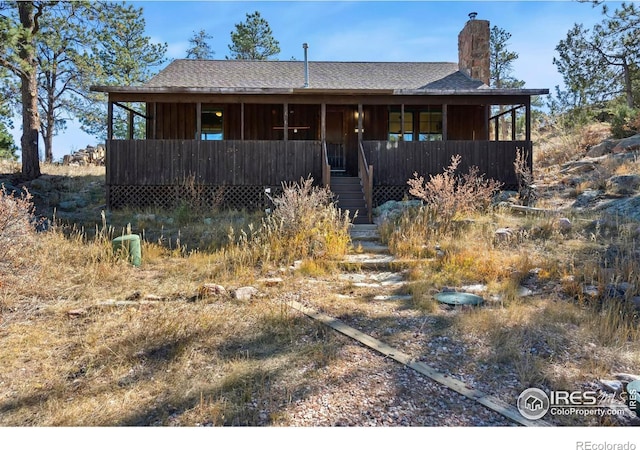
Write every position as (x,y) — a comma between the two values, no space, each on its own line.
(305,45)
(473,15)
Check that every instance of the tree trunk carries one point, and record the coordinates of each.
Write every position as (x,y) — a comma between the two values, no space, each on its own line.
(29,91)
(628,87)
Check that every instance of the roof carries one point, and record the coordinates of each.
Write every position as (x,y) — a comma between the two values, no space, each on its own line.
(241,76)
(322,75)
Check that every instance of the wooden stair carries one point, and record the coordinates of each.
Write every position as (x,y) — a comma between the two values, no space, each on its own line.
(350,196)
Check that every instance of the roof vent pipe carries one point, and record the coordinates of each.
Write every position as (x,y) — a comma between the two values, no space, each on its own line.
(306,65)
(473,15)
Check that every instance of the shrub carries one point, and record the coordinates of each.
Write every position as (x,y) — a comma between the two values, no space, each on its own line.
(625,121)
(17,230)
(524,175)
(449,195)
(305,223)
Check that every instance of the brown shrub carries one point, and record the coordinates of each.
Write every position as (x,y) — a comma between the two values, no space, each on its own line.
(448,194)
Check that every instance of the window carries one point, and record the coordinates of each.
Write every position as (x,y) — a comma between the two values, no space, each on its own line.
(212,124)
(421,123)
(430,126)
(395,129)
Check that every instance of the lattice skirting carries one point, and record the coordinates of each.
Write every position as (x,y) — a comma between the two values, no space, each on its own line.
(238,197)
(382,194)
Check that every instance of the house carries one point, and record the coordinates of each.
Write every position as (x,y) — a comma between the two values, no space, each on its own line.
(235,128)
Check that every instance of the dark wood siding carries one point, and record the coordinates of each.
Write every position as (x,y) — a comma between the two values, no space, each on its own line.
(376,122)
(467,123)
(395,163)
(170,162)
(175,121)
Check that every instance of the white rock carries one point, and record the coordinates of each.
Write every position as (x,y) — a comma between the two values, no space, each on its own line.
(244,293)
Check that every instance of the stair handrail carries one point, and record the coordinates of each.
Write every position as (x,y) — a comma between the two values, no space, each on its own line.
(365,172)
(326,167)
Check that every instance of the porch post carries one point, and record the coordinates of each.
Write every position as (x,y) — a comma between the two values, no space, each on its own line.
(402,121)
(444,122)
(110,120)
(242,121)
(130,126)
(527,120)
(360,113)
(198,121)
(154,112)
(513,124)
(286,121)
(323,122)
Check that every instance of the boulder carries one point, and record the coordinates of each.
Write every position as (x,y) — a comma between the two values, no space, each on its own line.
(603,148)
(68,206)
(503,235)
(587,198)
(563,224)
(211,290)
(41,185)
(244,293)
(628,144)
(623,184)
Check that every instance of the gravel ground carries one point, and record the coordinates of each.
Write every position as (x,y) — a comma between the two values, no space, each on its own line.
(364,388)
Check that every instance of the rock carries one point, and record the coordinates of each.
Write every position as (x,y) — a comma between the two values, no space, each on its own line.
(626,207)
(636,302)
(68,206)
(587,198)
(602,148)
(503,235)
(76,312)
(504,196)
(211,290)
(41,185)
(590,291)
(271,282)
(577,167)
(53,198)
(524,292)
(623,185)
(81,202)
(563,224)
(207,221)
(244,293)
(618,290)
(393,209)
(144,217)
(626,377)
(613,386)
(628,144)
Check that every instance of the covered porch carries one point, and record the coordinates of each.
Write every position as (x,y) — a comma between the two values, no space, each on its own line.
(235,147)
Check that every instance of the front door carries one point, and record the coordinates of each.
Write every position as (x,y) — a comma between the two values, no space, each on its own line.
(336,140)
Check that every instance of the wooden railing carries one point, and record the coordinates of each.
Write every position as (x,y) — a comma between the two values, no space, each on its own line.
(365,172)
(235,163)
(326,168)
(396,162)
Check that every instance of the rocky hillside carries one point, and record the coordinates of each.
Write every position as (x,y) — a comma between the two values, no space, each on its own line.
(590,171)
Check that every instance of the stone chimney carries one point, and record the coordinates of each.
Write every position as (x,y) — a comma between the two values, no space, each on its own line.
(473,49)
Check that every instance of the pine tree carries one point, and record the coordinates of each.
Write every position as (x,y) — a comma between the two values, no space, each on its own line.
(200,48)
(253,39)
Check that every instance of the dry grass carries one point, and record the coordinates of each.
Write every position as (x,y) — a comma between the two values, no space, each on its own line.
(172,356)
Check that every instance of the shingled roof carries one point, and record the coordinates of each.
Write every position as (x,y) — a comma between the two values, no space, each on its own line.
(235,74)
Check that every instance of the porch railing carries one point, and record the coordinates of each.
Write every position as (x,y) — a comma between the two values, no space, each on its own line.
(234,163)
(326,168)
(365,172)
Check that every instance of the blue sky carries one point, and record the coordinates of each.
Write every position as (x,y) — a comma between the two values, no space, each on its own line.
(364,31)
